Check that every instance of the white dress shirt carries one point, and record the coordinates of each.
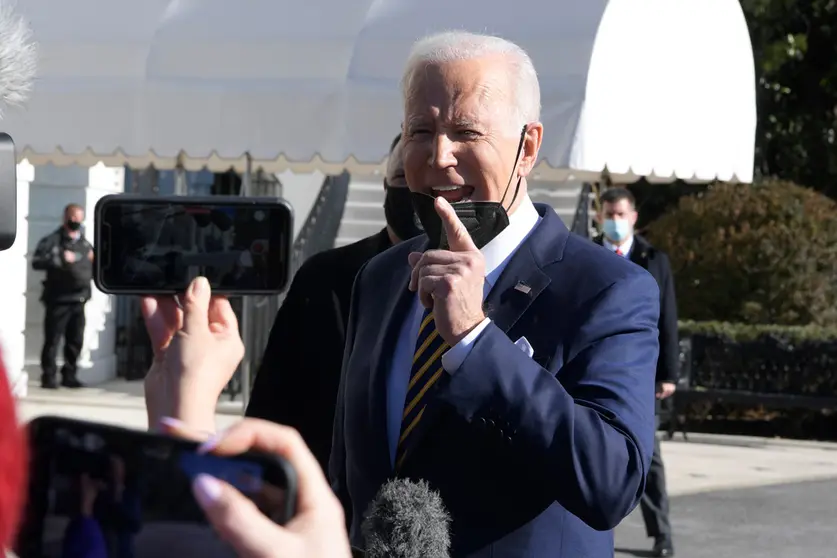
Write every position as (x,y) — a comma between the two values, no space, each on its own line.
(497,254)
(625,248)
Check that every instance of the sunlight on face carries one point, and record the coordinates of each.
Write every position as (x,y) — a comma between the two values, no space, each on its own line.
(458,142)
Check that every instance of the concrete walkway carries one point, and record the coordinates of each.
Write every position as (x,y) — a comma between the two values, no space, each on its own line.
(793,520)
(120,403)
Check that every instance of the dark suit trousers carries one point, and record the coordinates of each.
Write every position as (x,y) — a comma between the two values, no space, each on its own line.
(62,320)
(654,503)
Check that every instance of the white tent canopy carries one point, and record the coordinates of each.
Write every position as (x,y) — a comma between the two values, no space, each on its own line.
(658,88)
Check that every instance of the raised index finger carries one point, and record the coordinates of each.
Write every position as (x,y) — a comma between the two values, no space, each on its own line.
(458,238)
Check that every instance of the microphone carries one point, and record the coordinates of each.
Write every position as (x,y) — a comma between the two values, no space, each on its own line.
(406,520)
(18,57)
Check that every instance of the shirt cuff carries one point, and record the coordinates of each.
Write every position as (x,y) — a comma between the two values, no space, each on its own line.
(456,355)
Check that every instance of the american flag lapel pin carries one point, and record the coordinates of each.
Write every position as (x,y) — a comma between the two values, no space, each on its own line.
(523,287)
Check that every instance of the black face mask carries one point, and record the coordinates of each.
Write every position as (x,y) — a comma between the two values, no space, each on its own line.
(483,220)
(399,213)
(73,225)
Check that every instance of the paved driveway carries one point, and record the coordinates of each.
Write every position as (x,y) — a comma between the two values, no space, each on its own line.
(797,520)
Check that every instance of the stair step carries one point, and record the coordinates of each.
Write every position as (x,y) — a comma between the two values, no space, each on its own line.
(370,213)
(367,195)
(569,193)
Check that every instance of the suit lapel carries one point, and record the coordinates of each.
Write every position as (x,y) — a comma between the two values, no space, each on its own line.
(399,303)
(517,288)
(521,282)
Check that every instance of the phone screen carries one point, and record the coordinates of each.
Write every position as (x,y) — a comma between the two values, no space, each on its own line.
(8,192)
(158,245)
(103,492)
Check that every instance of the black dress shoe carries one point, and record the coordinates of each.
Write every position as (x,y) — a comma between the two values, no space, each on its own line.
(662,548)
(49,383)
(73,383)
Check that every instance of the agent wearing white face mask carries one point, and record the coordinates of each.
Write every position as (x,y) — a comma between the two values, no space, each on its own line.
(618,217)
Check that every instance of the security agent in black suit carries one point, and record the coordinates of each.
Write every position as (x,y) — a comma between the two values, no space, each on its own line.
(618,216)
(297,381)
(67,258)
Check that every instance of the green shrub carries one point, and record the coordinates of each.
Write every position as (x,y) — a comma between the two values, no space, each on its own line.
(759,254)
(742,333)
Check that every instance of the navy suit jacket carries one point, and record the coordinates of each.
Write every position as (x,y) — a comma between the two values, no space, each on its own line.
(533,456)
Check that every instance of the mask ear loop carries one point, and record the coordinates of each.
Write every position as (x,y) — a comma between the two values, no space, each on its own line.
(516,161)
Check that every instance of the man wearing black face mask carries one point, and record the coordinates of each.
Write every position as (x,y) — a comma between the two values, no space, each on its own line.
(499,345)
(298,378)
(67,258)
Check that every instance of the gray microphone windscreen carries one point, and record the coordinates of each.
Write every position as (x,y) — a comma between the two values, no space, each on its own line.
(406,520)
(18,57)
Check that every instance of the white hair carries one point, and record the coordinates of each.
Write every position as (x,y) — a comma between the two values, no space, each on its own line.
(451,46)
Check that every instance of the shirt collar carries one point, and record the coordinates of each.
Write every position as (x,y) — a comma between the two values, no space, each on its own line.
(498,252)
(626,248)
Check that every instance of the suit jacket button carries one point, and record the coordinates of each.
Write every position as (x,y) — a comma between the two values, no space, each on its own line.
(509,440)
(482,422)
(492,424)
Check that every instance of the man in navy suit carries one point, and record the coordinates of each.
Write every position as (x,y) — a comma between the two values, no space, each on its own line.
(500,358)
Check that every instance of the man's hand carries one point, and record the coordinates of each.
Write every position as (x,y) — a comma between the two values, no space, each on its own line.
(665,389)
(451,281)
(196,352)
(90,255)
(69,256)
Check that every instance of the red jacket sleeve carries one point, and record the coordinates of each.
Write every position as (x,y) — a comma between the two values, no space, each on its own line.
(13,461)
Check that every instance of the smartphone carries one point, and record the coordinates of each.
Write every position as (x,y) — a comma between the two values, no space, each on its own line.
(156,245)
(8,192)
(102,491)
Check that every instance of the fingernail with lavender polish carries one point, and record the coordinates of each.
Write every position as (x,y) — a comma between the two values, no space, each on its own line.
(210,444)
(207,490)
(172,422)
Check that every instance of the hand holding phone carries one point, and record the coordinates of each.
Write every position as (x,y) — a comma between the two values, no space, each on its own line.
(93,485)
(69,256)
(318,530)
(196,351)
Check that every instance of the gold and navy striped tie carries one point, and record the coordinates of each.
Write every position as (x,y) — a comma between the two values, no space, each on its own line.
(426,370)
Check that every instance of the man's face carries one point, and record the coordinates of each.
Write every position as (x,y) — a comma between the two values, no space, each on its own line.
(75,215)
(622,209)
(459,141)
(395,168)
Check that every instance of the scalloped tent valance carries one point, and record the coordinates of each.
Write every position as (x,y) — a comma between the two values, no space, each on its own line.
(658,88)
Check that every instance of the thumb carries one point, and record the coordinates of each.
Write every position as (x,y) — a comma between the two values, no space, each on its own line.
(458,238)
(237,519)
(196,307)
(413,258)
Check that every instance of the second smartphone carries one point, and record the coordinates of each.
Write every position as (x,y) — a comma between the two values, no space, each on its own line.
(99,491)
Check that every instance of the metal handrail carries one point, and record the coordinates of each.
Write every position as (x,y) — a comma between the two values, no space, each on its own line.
(581,220)
(317,234)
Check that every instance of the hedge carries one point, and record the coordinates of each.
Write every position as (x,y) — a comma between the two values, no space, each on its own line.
(739,333)
(763,253)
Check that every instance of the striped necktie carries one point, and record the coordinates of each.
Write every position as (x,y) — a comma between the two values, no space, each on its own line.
(426,370)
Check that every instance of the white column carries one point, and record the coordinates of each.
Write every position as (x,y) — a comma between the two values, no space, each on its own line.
(51,190)
(13,286)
